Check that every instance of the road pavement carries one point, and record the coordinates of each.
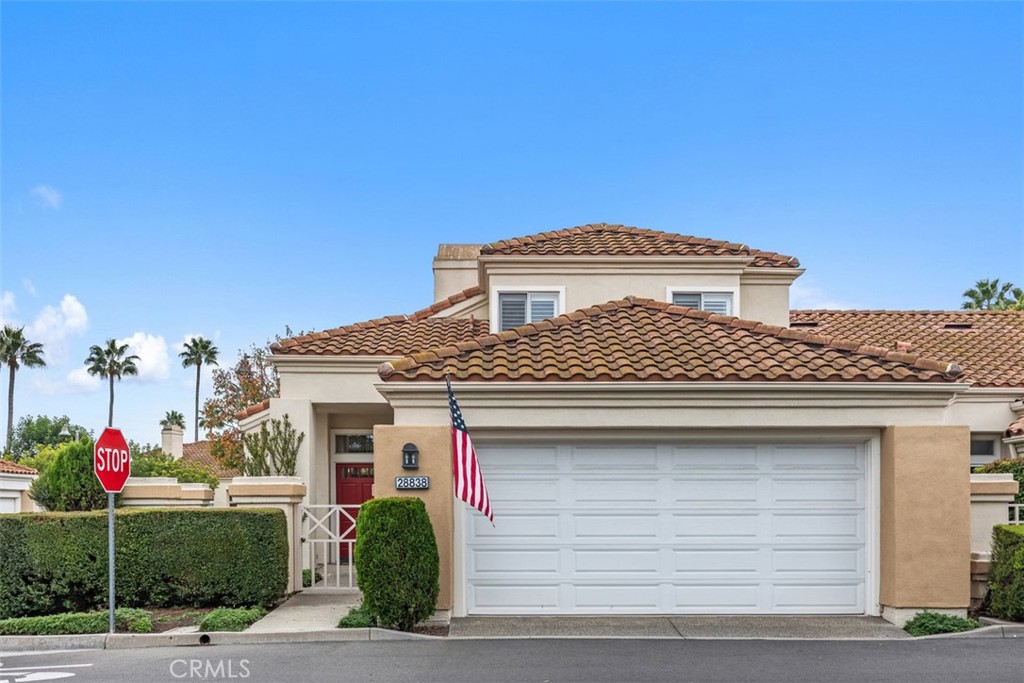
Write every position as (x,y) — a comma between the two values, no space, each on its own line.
(544,661)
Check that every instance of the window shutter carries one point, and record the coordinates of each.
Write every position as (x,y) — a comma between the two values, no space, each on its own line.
(542,307)
(718,303)
(686,299)
(511,310)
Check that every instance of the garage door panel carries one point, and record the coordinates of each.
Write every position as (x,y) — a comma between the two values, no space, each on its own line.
(625,562)
(729,529)
(716,561)
(520,560)
(818,561)
(613,526)
(716,490)
(817,491)
(847,527)
(634,491)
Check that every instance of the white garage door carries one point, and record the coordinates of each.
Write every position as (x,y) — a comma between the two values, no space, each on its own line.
(741,529)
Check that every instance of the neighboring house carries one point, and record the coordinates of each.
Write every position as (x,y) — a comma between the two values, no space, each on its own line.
(15,481)
(657,437)
(199,453)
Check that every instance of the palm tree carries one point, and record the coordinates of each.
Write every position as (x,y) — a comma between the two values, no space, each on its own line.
(197,352)
(988,295)
(16,351)
(172,418)
(111,362)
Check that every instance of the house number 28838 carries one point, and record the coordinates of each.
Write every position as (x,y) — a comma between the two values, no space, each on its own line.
(406,483)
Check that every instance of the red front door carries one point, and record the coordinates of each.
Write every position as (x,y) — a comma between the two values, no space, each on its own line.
(354,485)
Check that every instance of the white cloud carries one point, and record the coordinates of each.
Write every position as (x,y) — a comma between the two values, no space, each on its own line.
(75,382)
(29,287)
(811,297)
(54,326)
(180,346)
(7,307)
(154,364)
(48,196)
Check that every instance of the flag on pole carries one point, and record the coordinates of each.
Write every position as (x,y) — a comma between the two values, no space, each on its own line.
(469,480)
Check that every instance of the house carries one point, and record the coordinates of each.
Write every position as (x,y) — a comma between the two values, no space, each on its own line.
(198,453)
(660,433)
(15,481)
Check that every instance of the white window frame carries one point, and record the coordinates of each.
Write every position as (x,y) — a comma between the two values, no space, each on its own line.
(496,291)
(997,446)
(701,289)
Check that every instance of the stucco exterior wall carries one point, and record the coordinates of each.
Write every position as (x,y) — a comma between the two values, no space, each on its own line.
(434,443)
(925,517)
(767,302)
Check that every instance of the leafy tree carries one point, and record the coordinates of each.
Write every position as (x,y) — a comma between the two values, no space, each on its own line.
(33,432)
(67,483)
(16,351)
(172,418)
(989,295)
(111,362)
(274,451)
(197,352)
(251,380)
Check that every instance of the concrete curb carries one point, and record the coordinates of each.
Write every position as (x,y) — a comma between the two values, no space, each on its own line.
(996,631)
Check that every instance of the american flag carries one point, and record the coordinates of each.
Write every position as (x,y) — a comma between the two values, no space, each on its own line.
(469,480)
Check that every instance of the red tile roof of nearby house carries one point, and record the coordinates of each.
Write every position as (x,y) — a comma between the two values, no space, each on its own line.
(199,453)
(1016,427)
(11,467)
(252,410)
(601,239)
(989,345)
(645,340)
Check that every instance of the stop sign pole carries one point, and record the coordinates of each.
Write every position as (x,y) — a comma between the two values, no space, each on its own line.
(112,464)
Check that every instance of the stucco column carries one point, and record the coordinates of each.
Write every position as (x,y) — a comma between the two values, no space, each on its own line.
(991,494)
(434,444)
(925,521)
(283,493)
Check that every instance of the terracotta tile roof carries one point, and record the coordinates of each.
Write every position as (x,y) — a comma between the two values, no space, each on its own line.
(11,467)
(645,340)
(198,453)
(988,345)
(1016,427)
(601,239)
(391,336)
(252,410)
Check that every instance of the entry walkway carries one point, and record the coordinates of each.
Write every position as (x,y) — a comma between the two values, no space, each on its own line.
(317,610)
(740,627)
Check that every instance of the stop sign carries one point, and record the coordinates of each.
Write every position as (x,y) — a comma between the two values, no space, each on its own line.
(111,460)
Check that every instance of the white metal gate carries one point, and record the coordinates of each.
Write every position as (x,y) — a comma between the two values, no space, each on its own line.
(329,537)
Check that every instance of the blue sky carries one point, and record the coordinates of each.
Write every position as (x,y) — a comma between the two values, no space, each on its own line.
(227,169)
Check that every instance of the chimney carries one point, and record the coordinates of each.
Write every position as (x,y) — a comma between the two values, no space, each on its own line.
(455,269)
(170,441)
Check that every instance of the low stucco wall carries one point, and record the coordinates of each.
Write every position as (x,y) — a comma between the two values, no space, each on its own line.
(925,542)
(434,444)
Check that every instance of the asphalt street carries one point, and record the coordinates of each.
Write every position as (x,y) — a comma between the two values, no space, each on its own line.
(540,661)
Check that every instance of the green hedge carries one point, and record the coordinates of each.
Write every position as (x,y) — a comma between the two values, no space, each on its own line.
(1006,577)
(57,562)
(125,619)
(396,561)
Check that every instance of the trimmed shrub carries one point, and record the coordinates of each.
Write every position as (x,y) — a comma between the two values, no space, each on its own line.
(308,577)
(1014,466)
(930,623)
(1006,576)
(125,619)
(358,617)
(57,562)
(237,619)
(160,464)
(68,483)
(396,561)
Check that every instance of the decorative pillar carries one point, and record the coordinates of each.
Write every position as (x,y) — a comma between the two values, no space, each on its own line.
(283,493)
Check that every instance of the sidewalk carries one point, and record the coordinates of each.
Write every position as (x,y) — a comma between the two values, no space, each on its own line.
(309,611)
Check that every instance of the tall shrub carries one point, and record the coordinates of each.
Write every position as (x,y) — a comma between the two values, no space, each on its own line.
(1006,576)
(396,561)
(68,483)
(57,562)
(272,451)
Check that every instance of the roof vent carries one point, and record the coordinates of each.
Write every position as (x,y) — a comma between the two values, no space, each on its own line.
(957,326)
(804,323)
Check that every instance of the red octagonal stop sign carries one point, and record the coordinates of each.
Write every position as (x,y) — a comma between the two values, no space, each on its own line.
(111,460)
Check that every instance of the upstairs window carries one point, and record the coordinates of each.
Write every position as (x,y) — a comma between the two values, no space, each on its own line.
(984,449)
(520,308)
(712,302)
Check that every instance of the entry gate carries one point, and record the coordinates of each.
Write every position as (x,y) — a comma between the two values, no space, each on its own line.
(329,537)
